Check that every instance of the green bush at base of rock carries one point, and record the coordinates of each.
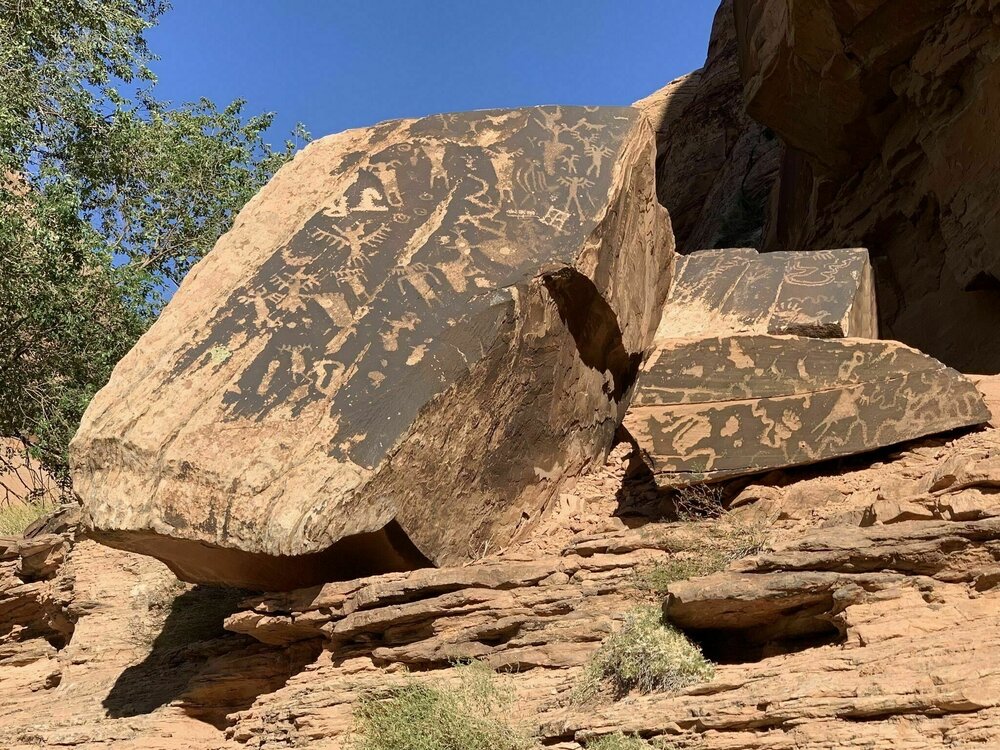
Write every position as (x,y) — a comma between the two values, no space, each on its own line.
(469,715)
(646,655)
(730,540)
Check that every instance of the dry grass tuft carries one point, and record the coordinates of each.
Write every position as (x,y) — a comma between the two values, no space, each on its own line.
(728,540)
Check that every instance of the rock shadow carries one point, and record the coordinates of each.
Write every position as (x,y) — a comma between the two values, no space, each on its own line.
(640,501)
(195,663)
(594,327)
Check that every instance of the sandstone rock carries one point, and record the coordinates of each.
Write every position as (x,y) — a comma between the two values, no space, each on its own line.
(774,603)
(716,166)
(887,109)
(409,340)
(34,621)
(989,386)
(873,662)
(827,294)
(734,405)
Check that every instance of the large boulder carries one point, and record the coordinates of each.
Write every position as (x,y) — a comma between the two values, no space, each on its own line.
(410,339)
(888,109)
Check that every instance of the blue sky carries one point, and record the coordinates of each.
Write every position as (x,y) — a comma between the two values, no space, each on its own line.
(336,64)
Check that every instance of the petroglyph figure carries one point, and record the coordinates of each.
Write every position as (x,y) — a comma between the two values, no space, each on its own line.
(597,153)
(414,231)
(575,185)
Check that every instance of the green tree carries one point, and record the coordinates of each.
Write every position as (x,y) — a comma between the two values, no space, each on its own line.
(107,198)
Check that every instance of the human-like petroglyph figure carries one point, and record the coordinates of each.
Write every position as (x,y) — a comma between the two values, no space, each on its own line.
(597,152)
(575,185)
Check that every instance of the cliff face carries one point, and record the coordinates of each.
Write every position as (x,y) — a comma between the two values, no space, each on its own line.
(888,111)
(715,165)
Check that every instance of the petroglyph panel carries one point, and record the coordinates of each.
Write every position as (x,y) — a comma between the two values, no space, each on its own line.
(347,344)
(823,294)
(734,405)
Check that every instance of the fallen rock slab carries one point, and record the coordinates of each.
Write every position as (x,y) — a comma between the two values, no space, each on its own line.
(822,294)
(729,406)
(409,341)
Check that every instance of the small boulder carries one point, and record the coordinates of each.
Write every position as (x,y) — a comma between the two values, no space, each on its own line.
(822,294)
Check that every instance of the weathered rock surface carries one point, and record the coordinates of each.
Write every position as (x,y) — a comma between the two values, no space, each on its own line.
(735,405)
(401,302)
(871,624)
(716,166)
(823,294)
(34,622)
(887,109)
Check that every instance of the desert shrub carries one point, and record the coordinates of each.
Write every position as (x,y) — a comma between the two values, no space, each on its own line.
(647,655)
(471,715)
(699,501)
(728,540)
(739,539)
(619,741)
(656,579)
(16,517)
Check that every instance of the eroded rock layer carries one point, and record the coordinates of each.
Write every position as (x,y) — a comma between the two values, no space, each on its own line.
(823,294)
(868,576)
(402,301)
(888,111)
(716,165)
(732,405)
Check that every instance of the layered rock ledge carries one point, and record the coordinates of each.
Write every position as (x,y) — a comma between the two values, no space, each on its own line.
(870,623)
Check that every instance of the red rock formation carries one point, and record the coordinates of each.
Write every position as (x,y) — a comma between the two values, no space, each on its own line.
(715,165)
(411,337)
(888,109)
(872,624)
